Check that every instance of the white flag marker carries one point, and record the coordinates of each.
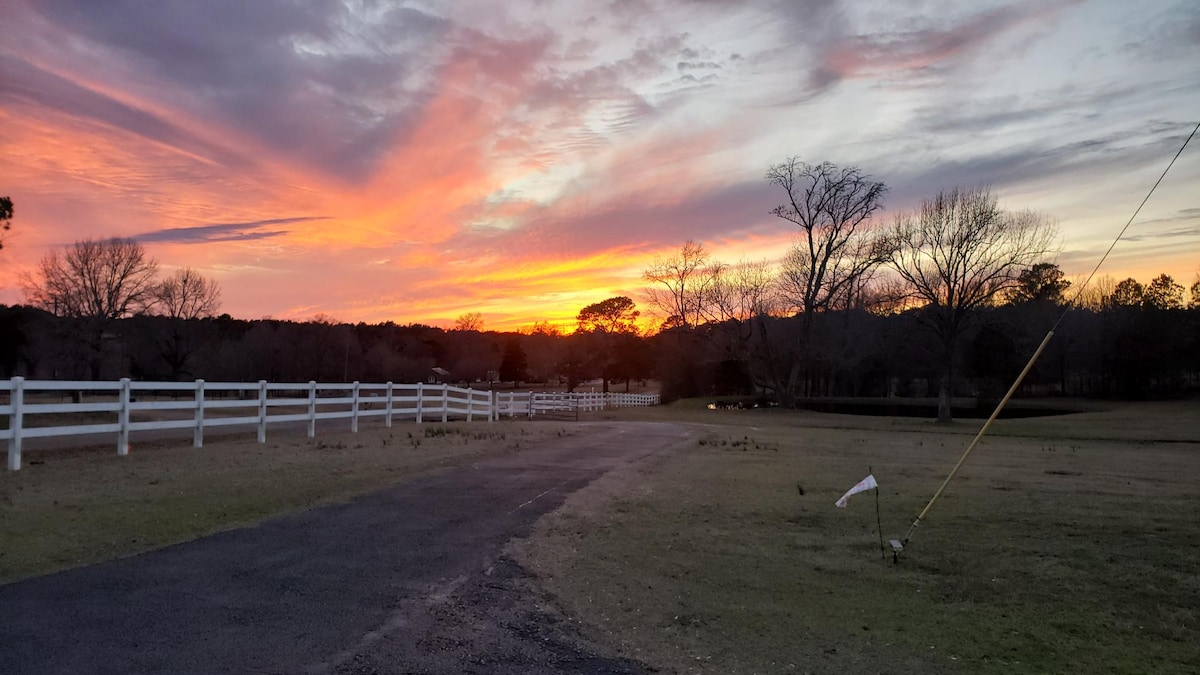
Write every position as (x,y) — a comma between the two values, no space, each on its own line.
(863,485)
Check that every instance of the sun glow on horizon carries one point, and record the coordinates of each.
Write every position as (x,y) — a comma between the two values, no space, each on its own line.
(526,160)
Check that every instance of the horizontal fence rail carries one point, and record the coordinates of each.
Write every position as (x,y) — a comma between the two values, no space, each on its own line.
(127,406)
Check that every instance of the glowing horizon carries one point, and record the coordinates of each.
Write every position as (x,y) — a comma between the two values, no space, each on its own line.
(376,163)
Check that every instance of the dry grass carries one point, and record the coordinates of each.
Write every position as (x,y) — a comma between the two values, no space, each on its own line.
(78,506)
(1067,544)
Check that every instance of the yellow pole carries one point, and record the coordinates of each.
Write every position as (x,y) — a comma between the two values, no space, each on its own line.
(995,413)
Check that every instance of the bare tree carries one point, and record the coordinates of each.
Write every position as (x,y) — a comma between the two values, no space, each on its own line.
(680,284)
(104,279)
(469,321)
(187,295)
(830,261)
(97,281)
(956,253)
(881,294)
(181,298)
(738,297)
(1096,295)
(543,328)
(741,291)
(833,207)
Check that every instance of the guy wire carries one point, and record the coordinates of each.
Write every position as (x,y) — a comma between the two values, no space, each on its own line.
(1050,334)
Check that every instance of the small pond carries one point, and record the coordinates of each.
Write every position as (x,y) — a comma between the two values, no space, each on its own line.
(904,408)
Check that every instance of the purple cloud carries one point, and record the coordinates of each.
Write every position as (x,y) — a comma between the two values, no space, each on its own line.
(204,234)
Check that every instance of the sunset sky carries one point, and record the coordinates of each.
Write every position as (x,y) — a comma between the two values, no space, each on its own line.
(413,161)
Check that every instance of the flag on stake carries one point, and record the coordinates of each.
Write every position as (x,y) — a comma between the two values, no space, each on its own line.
(863,485)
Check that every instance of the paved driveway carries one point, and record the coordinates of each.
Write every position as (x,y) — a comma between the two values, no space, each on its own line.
(410,579)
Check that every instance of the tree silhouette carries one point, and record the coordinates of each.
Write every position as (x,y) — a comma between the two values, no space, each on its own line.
(832,206)
(96,281)
(604,329)
(680,284)
(186,295)
(617,314)
(182,298)
(6,214)
(956,253)
(513,364)
(1127,293)
(1043,282)
(469,321)
(1163,293)
(835,251)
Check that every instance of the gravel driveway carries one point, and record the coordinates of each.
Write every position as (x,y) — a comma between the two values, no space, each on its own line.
(411,579)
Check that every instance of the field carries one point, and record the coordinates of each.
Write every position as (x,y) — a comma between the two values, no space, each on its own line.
(72,507)
(1067,544)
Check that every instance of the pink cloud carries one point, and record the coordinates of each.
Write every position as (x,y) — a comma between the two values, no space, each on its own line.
(910,51)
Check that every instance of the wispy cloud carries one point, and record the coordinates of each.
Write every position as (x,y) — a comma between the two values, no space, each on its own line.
(201,234)
(522,157)
(918,49)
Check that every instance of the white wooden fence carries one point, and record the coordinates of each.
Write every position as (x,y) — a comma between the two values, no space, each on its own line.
(199,405)
(586,401)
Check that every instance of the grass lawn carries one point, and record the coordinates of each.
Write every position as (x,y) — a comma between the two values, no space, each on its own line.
(1066,544)
(72,507)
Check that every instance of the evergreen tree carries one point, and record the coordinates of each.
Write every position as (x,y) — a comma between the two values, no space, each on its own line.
(513,364)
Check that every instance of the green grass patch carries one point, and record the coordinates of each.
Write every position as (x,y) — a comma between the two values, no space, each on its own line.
(1066,545)
(73,507)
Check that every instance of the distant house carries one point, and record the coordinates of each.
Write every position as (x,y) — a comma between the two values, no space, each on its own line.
(438,375)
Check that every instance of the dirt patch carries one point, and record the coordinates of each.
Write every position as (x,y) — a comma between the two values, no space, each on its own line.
(497,622)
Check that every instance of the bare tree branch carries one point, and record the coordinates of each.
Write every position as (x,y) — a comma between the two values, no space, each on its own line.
(957,253)
(832,206)
(187,295)
(680,285)
(97,281)
(102,279)
(741,291)
(830,261)
(469,321)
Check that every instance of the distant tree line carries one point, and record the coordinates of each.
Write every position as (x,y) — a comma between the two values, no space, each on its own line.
(1105,347)
(946,301)
(36,343)
(99,309)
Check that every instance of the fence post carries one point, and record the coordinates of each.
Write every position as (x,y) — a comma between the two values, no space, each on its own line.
(262,411)
(16,422)
(387,418)
(470,403)
(445,401)
(123,419)
(420,400)
(312,408)
(198,432)
(493,407)
(354,413)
